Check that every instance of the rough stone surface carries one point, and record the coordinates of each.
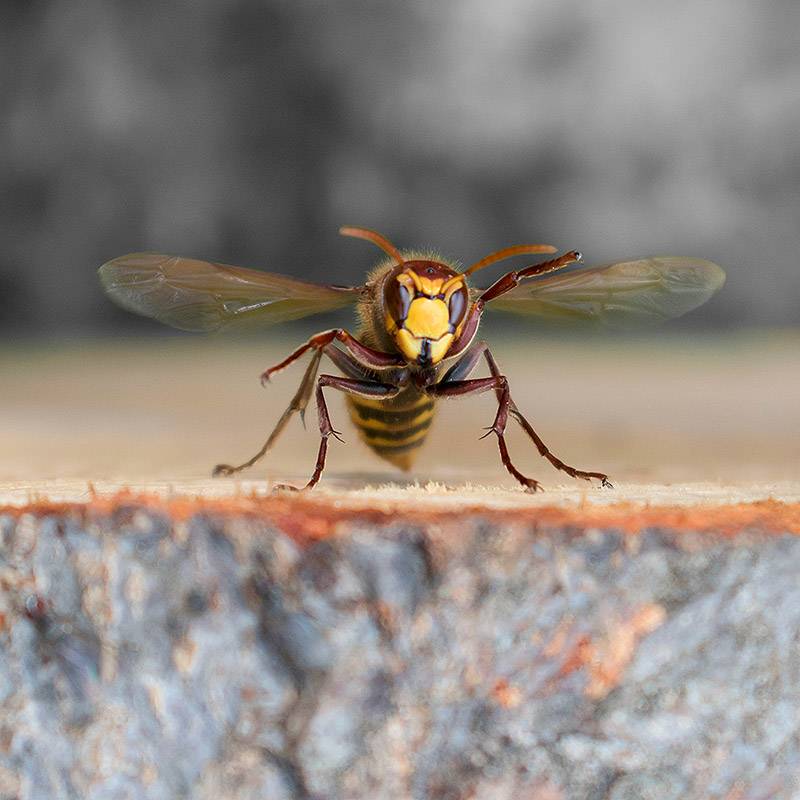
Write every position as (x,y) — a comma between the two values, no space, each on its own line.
(144,655)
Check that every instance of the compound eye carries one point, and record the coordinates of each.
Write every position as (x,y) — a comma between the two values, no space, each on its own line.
(398,300)
(458,306)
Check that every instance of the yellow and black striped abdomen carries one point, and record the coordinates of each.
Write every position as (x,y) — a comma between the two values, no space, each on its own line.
(394,428)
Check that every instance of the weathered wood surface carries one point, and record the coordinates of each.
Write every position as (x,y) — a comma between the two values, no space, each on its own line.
(291,648)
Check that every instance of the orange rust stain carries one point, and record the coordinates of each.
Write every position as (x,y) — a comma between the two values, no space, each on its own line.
(386,616)
(149,774)
(736,793)
(183,655)
(578,656)
(542,791)
(248,694)
(307,519)
(505,694)
(606,660)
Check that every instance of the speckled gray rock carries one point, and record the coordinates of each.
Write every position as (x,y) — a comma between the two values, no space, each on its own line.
(217,658)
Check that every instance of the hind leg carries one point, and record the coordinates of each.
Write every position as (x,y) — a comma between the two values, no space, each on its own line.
(298,404)
(344,361)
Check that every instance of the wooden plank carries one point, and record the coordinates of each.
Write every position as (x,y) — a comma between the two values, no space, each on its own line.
(165,411)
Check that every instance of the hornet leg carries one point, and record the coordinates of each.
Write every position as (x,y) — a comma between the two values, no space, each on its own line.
(367,356)
(453,384)
(502,285)
(350,386)
(298,403)
(511,279)
(499,384)
(344,361)
(544,451)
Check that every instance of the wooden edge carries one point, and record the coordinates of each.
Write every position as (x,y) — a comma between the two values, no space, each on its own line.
(308,519)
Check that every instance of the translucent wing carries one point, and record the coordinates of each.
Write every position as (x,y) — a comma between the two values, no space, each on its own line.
(200,296)
(617,295)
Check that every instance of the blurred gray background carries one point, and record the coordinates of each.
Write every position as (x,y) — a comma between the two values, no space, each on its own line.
(247,132)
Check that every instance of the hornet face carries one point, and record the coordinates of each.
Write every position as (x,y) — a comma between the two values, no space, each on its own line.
(425,304)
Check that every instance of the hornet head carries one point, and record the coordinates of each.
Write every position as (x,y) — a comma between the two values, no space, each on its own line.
(425,303)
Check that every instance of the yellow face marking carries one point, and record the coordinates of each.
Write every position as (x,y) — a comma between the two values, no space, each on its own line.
(440,347)
(430,286)
(428,318)
(410,280)
(409,346)
(451,285)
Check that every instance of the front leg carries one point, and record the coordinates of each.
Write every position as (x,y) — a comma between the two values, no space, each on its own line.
(297,405)
(514,278)
(367,356)
(505,284)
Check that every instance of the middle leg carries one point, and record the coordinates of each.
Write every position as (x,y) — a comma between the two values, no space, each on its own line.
(462,369)
(364,388)
(543,449)
(498,383)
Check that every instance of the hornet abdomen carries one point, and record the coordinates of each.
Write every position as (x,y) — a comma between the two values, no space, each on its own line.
(393,428)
